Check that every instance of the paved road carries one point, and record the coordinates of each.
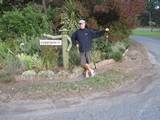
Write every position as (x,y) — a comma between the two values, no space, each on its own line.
(136,104)
(153,45)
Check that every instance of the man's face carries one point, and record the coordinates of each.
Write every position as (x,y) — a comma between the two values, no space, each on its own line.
(82,25)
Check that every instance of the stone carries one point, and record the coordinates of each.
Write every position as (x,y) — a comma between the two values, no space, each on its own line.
(63,74)
(77,70)
(46,74)
(29,73)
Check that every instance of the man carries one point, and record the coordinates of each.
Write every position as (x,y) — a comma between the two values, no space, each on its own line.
(82,38)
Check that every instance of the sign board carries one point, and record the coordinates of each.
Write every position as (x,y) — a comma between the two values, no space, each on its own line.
(51,42)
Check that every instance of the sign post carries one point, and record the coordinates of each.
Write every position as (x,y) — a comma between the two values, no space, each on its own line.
(65,42)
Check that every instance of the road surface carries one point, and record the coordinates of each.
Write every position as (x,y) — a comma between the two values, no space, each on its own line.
(136,104)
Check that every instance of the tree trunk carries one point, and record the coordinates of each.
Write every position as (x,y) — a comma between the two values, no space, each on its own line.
(44,5)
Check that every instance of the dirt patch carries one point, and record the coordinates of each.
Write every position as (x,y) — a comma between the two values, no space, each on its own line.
(109,78)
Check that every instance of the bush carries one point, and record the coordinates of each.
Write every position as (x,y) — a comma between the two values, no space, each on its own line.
(5,54)
(3,51)
(29,45)
(29,21)
(101,45)
(74,57)
(10,69)
(50,56)
(113,50)
(118,31)
(31,62)
(70,16)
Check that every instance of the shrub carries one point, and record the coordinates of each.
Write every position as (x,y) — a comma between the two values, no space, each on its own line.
(10,69)
(96,55)
(29,45)
(74,57)
(70,15)
(5,53)
(118,31)
(50,56)
(113,50)
(29,21)
(31,62)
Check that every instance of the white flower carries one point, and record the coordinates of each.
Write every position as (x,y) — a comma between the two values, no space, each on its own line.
(107,29)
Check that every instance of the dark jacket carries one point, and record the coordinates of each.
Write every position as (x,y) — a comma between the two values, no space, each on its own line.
(84,38)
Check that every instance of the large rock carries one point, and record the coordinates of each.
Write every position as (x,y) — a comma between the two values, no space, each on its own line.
(77,70)
(46,74)
(63,74)
(29,73)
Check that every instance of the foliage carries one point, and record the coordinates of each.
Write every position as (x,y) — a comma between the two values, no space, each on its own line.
(9,5)
(102,50)
(96,56)
(5,54)
(50,57)
(54,16)
(11,65)
(118,31)
(74,57)
(70,15)
(21,27)
(16,23)
(120,16)
(109,50)
(31,62)
(152,12)
(29,45)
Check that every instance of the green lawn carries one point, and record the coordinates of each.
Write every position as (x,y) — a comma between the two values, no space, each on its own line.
(147,32)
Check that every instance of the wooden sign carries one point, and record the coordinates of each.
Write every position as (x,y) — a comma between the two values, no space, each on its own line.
(51,42)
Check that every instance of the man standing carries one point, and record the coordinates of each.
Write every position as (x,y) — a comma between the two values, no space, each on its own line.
(82,38)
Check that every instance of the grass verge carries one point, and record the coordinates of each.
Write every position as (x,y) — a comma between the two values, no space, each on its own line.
(147,32)
(107,80)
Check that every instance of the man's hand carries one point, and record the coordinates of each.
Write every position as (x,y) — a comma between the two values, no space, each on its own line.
(107,29)
(77,45)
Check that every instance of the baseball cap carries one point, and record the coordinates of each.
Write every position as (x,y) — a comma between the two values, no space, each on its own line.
(82,21)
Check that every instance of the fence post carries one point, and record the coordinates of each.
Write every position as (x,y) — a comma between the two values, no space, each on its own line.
(65,52)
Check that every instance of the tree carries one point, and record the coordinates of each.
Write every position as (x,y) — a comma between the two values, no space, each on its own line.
(120,15)
(151,13)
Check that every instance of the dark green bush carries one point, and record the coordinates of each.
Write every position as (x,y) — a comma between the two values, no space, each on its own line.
(5,53)
(74,57)
(118,31)
(50,56)
(29,21)
(29,45)
(109,50)
(11,67)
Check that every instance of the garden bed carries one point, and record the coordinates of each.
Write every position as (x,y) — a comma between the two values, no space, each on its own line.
(110,77)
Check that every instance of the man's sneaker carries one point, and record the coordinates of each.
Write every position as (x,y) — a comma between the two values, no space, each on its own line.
(87,74)
(92,73)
